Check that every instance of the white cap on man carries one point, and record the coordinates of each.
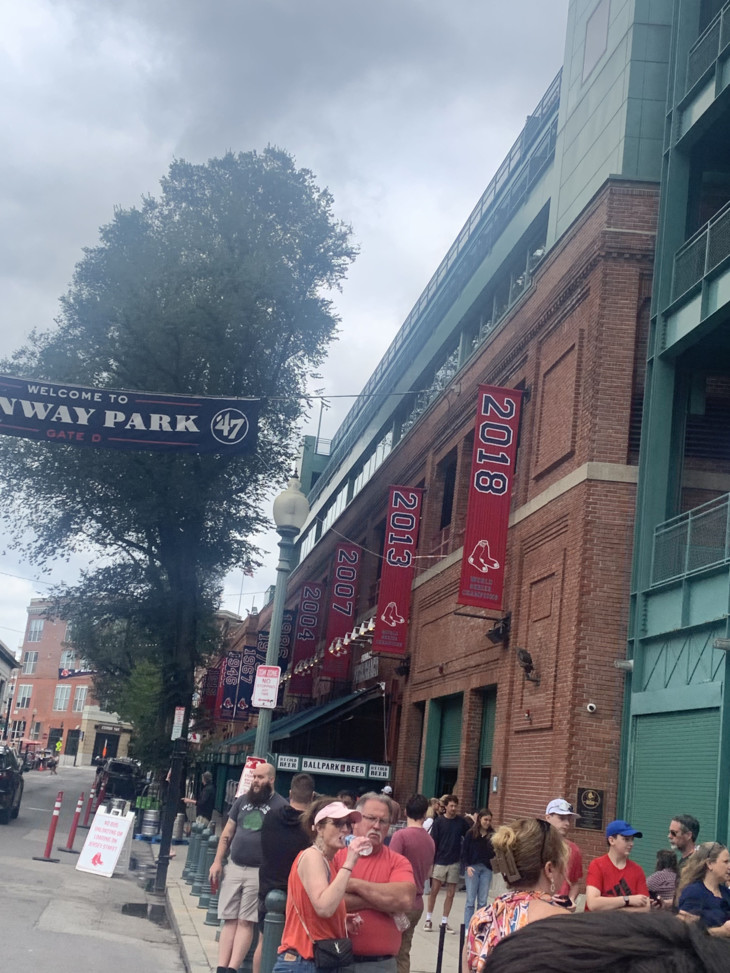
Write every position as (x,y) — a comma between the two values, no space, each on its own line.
(387,790)
(562,807)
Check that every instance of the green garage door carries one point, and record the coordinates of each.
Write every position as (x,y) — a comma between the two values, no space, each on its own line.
(675,770)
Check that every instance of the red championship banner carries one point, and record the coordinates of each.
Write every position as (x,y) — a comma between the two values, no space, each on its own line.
(490,491)
(306,637)
(344,591)
(399,549)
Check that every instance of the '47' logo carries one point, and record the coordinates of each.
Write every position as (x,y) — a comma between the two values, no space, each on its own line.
(229,426)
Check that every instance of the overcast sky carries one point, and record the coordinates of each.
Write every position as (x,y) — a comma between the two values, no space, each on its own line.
(403,108)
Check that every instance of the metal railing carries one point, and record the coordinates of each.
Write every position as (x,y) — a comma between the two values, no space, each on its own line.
(702,253)
(697,539)
(708,47)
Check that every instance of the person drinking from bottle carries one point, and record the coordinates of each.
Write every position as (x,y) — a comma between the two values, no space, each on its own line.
(315,904)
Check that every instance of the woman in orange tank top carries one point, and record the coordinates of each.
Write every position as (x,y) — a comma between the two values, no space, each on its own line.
(315,906)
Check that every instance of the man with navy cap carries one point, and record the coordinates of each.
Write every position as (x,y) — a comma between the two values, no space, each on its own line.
(613,881)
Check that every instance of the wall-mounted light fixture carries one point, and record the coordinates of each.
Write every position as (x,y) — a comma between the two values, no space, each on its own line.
(528,666)
(499,632)
(404,666)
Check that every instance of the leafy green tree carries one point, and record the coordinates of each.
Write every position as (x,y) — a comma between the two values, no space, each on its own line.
(219,286)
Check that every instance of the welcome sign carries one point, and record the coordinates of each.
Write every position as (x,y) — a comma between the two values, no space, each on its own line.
(108,418)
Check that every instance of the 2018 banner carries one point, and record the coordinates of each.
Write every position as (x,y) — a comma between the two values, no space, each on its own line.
(344,590)
(306,639)
(399,549)
(48,412)
(490,493)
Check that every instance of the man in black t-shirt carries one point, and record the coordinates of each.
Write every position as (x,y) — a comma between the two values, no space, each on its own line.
(447,832)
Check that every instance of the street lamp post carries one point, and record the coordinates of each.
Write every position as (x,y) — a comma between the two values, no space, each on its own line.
(290,513)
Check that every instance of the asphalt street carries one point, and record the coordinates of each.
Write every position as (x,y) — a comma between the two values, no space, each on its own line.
(55,918)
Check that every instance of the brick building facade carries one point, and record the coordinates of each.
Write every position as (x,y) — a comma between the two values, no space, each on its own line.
(53,695)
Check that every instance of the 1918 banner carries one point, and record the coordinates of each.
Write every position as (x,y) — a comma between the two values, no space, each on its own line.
(344,590)
(107,418)
(399,549)
(490,492)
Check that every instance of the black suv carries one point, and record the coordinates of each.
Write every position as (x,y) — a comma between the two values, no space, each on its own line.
(123,778)
(11,784)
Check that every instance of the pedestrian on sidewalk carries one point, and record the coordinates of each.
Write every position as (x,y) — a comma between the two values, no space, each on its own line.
(381,888)
(315,905)
(476,857)
(447,832)
(561,814)
(239,891)
(532,857)
(415,844)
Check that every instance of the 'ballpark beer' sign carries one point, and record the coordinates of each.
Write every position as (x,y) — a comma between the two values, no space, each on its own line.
(490,491)
(399,549)
(100,417)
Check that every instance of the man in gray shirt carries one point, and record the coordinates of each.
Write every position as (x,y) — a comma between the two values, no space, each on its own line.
(238,899)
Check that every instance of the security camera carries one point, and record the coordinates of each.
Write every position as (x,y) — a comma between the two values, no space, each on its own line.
(591,707)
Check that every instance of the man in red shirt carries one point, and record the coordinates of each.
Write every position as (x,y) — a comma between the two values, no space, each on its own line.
(613,881)
(381,889)
(562,816)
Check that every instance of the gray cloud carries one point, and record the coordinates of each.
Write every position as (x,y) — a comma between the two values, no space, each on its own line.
(404,108)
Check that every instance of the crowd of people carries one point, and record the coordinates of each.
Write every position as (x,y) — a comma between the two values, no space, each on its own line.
(358,879)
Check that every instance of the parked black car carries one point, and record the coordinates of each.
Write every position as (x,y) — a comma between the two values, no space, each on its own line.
(122,777)
(11,784)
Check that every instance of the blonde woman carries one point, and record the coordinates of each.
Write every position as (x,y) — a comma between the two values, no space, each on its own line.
(532,857)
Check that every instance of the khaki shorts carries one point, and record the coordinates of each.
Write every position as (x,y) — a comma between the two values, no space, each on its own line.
(239,893)
(448,874)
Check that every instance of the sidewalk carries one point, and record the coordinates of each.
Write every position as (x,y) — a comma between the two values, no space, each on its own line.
(200,949)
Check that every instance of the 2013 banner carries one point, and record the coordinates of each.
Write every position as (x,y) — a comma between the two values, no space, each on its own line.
(99,417)
(344,590)
(306,638)
(399,549)
(490,493)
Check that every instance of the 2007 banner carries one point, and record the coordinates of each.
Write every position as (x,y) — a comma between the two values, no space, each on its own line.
(399,549)
(490,493)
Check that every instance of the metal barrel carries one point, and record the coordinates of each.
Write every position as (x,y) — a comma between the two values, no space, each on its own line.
(150,823)
(178,827)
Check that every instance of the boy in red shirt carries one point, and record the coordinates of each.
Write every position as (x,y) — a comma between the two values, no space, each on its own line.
(613,881)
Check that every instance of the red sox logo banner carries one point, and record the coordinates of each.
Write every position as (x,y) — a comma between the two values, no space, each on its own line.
(490,492)
(399,549)
(343,607)
(306,638)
